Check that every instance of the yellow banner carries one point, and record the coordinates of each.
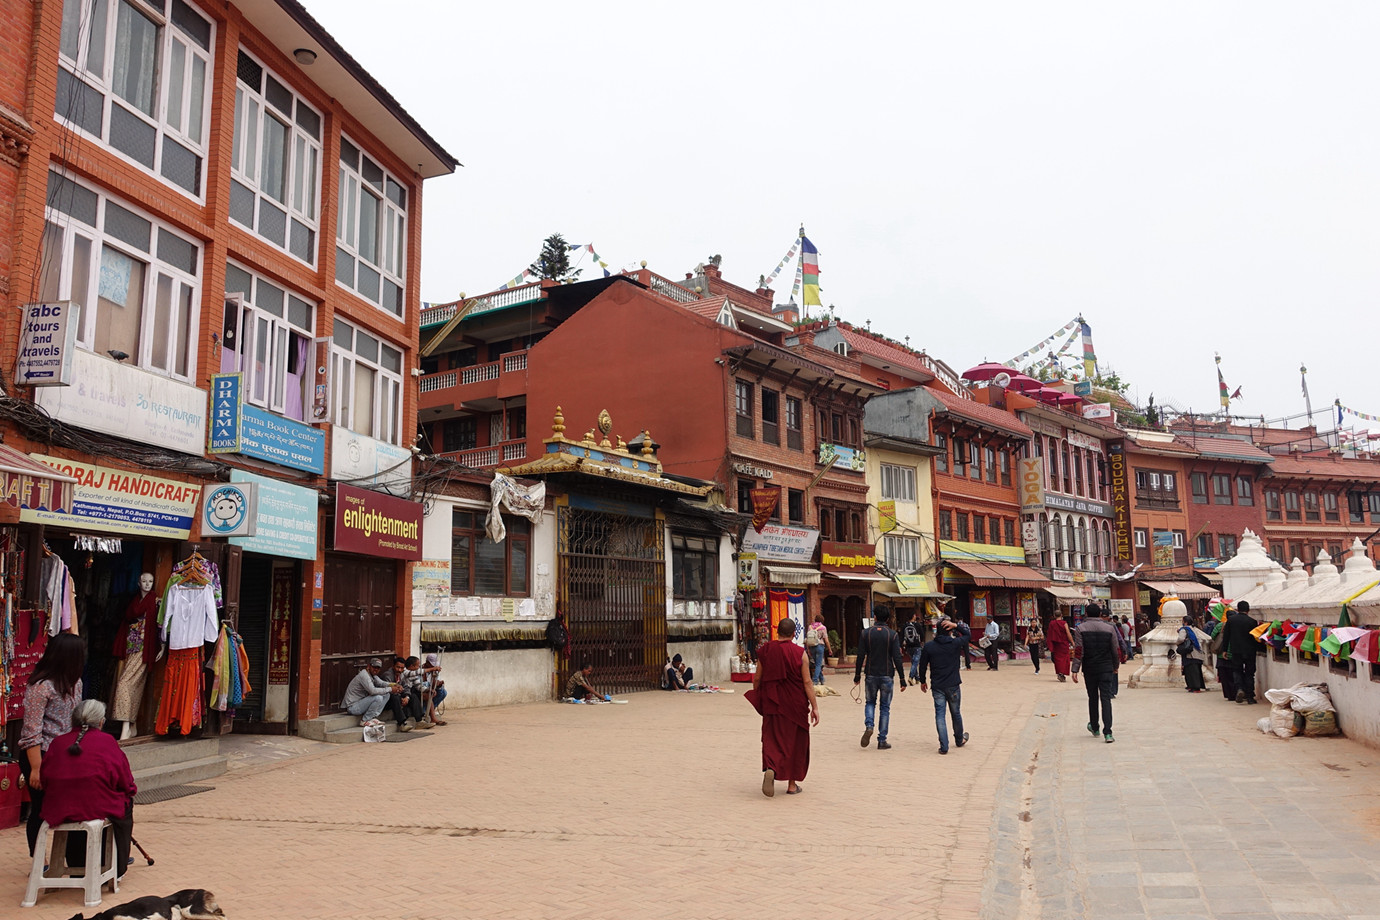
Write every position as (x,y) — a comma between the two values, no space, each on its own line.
(887,512)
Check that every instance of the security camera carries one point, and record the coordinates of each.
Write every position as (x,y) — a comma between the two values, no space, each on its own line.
(417,372)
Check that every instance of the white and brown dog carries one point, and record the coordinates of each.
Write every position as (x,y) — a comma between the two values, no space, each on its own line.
(187,904)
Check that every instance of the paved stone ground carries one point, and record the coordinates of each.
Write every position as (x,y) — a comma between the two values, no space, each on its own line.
(654,809)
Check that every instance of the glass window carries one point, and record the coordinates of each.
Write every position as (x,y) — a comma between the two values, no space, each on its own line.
(1330,511)
(1221,489)
(145,278)
(941,459)
(275,162)
(795,505)
(974,463)
(1226,545)
(989,462)
(1005,458)
(139,85)
(478,566)
(946,525)
(1291,506)
(694,567)
(898,482)
(1310,507)
(961,526)
(795,439)
(742,392)
(268,343)
(979,529)
(902,554)
(366,383)
(771,417)
(1204,547)
(1245,495)
(1009,529)
(1271,505)
(1197,483)
(371,230)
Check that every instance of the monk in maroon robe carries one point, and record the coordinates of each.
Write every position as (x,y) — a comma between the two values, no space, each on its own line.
(1060,646)
(784,694)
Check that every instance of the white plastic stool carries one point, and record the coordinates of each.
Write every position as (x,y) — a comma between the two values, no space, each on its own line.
(93,876)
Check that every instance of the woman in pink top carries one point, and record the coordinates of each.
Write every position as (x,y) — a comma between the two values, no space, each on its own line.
(54,690)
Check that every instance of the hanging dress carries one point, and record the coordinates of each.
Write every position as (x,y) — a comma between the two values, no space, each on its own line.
(136,644)
(189,620)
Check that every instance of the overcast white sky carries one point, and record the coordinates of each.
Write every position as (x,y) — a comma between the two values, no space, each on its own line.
(1190,176)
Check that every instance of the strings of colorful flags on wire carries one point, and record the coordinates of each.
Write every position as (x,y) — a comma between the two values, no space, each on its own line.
(527,275)
(1349,411)
(806,270)
(1039,347)
(790,254)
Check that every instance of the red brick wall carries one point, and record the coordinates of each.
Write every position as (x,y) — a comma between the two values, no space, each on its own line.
(1215,519)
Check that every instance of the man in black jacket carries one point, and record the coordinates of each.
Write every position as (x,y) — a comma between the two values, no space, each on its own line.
(1240,647)
(1098,644)
(942,657)
(879,651)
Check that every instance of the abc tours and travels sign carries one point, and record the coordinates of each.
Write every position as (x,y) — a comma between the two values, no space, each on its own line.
(47,338)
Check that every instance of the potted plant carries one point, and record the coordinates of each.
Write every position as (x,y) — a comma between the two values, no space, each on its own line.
(836,644)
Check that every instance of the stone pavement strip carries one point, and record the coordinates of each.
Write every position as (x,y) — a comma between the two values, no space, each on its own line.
(654,809)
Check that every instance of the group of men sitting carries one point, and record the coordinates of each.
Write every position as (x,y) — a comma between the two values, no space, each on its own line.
(411,689)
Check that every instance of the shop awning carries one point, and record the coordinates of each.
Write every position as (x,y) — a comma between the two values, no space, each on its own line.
(1000,575)
(1212,577)
(1067,595)
(852,576)
(912,586)
(791,575)
(1182,589)
(14,463)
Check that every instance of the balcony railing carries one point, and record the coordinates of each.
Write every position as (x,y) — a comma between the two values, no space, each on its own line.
(433,316)
(438,381)
(668,288)
(493,455)
(511,363)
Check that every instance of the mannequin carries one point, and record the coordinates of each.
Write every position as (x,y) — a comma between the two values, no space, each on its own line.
(136,646)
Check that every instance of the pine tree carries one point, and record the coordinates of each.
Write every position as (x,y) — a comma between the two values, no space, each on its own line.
(553,264)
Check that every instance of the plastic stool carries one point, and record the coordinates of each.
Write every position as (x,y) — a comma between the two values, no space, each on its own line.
(93,876)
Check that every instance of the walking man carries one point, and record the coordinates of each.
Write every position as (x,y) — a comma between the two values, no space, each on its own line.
(879,651)
(1098,644)
(941,657)
(912,640)
(1240,647)
(991,651)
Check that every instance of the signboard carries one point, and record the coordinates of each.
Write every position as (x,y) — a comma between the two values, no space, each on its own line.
(886,513)
(118,501)
(285,519)
(239,428)
(848,558)
(1082,388)
(229,510)
(369,462)
(130,403)
(1087,442)
(1099,410)
(374,524)
(849,458)
(912,584)
(1101,592)
(1042,426)
(764,502)
(1122,606)
(779,543)
(1083,505)
(431,576)
(1163,549)
(756,472)
(1121,502)
(1030,536)
(747,571)
(1030,484)
(47,339)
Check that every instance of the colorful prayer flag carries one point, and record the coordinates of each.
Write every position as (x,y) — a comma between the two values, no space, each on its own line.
(809,268)
(1089,357)
(1222,389)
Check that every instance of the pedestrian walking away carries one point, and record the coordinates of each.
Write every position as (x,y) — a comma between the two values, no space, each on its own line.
(1097,644)
(940,657)
(990,649)
(784,696)
(1190,651)
(816,645)
(879,654)
(1060,641)
(1240,647)
(912,641)
(1034,639)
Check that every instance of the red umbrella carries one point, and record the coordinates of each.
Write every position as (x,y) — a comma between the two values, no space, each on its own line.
(1068,399)
(1023,384)
(986,371)
(1048,395)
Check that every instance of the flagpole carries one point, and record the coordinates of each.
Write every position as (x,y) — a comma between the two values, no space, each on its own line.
(1307,401)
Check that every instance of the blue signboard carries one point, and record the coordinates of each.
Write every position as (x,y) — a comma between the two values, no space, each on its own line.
(237,428)
(286,518)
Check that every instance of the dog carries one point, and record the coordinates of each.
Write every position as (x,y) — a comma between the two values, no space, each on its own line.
(187,904)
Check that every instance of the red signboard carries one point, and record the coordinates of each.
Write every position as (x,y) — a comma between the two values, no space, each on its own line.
(764,502)
(848,558)
(374,524)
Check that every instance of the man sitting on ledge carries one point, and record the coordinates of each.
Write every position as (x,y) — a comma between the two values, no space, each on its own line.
(367,693)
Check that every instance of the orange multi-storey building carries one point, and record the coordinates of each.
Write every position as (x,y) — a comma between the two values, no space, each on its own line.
(221,210)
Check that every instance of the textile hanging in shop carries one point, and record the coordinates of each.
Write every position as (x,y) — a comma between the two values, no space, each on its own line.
(528,501)
(795,609)
(778,600)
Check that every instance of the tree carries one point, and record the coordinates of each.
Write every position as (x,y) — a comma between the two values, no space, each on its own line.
(553,264)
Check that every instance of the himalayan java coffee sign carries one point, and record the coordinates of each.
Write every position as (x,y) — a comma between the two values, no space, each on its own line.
(374,524)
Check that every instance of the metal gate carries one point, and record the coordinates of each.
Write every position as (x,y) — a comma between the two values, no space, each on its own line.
(359,610)
(612,578)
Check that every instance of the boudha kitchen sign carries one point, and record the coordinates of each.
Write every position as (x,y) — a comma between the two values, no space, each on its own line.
(374,524)
(848,558)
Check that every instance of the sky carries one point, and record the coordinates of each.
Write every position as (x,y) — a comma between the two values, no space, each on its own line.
(1190,177)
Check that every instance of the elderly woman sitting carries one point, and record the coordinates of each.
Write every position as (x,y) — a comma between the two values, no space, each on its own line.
(86,777)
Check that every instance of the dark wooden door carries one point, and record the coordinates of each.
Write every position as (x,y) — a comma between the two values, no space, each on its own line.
(359,614)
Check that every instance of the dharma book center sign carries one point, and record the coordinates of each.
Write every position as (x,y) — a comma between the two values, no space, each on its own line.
(374,524)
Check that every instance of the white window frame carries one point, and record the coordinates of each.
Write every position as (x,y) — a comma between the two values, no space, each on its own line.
(1140,539)
(188,125)
(902,554)
(898,482)
(385,421)
(389,259)
(182,285)
(1177,539)
(254,324)
(302,167)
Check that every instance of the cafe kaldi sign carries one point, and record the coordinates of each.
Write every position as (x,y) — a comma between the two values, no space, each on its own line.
(373,524)
(848,558)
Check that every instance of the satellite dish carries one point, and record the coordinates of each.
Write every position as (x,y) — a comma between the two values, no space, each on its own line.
(1002,380)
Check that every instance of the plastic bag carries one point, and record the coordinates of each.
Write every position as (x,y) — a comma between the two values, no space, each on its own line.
(1264,725)
(374,733)
(1317,724)
(1303,698)
(1282,721)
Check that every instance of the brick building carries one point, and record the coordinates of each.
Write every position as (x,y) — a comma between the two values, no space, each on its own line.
(171,173)
(1313,502)
(1224,496)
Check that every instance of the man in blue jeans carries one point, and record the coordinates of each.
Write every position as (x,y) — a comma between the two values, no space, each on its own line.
(943,656)
(879,651)
(1097,644)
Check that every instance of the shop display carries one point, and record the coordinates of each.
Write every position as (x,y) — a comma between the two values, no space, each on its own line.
(230,670)
(187,620)
(59,593)
(136,648)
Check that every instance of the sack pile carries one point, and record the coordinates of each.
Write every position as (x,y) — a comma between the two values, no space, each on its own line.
(1302,708)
